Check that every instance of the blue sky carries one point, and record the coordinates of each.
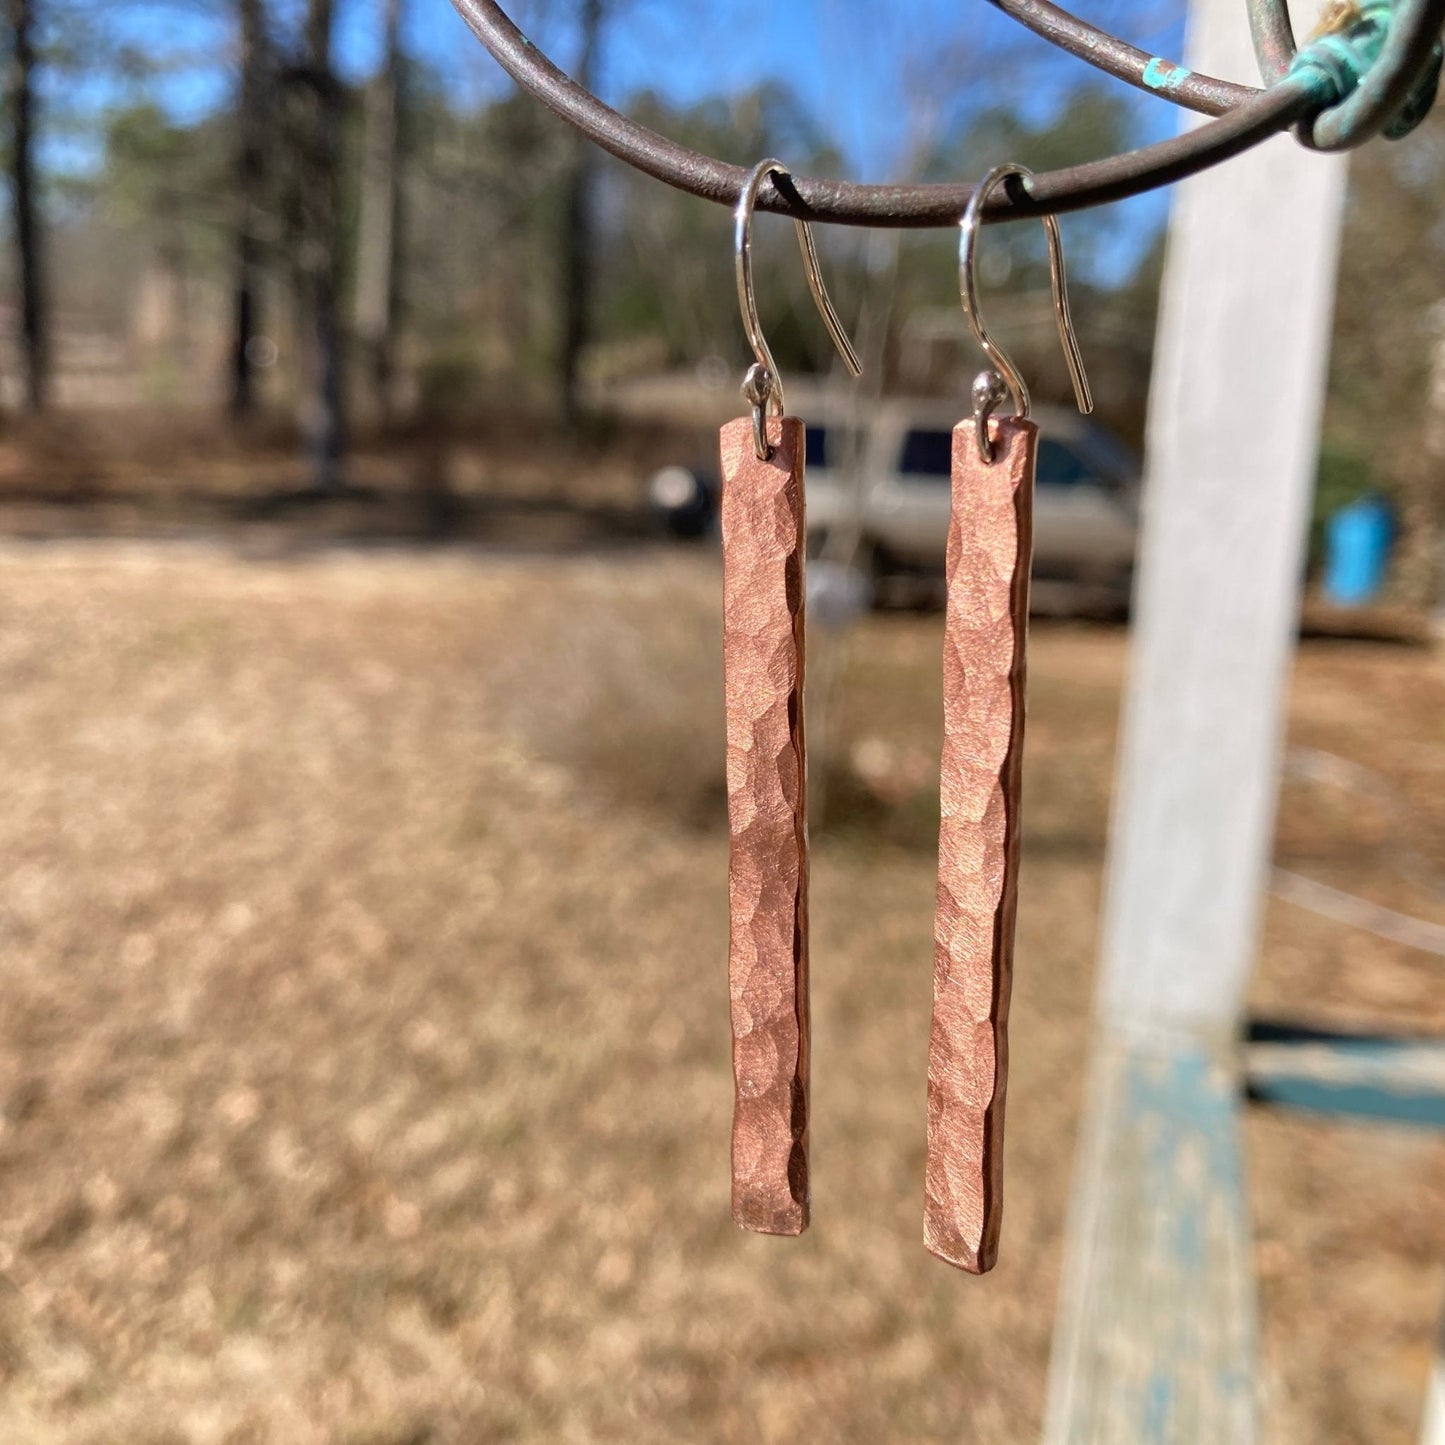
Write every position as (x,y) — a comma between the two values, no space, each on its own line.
(864,69)
(882,80)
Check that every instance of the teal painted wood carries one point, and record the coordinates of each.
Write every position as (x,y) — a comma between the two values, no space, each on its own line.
(1398,1081)
(1155,1343)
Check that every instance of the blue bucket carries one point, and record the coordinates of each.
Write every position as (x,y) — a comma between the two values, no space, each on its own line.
(1358,539)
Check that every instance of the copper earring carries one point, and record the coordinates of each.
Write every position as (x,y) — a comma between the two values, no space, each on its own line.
(764,541)
(985,636)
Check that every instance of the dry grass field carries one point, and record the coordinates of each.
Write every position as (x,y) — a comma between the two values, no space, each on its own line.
(364,1074)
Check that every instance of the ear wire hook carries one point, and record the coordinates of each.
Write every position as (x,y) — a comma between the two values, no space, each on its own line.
(762,386)
(989,387)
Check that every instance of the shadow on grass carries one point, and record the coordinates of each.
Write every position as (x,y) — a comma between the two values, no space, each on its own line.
(305,517)
(433,513)
(496,481)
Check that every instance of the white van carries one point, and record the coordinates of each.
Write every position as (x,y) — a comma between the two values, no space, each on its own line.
(888,482)
(878,496)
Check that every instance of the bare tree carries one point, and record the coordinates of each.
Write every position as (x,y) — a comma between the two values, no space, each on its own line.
(379,227)
(20,17)
(1386,351)
(255,76)
(314,114)
(577,232)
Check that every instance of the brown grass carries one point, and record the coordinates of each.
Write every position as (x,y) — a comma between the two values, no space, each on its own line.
(365,1057)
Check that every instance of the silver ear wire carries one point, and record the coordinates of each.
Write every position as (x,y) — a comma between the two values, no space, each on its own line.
(762,387)
(989,386)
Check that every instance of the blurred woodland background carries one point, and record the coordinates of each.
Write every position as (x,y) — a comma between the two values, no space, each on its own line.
(336,219)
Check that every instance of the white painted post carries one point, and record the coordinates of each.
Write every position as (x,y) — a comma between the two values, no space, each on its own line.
(1233,441)
(1155,1338)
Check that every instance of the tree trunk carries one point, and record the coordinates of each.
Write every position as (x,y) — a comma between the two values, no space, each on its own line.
(1420,564)
(321,246)
(577,235)
(29,264)
(250,181)
(378,247)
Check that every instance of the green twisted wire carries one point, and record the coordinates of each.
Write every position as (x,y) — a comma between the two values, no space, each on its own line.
(1348,63)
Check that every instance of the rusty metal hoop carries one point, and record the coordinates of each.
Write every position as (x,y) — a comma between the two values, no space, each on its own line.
(1244,118)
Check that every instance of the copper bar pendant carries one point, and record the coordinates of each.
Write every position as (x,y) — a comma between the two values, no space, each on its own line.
(990,544)
(763,548)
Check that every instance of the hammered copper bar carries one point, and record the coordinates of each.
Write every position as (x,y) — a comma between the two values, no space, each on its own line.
(763,542)
(989,548)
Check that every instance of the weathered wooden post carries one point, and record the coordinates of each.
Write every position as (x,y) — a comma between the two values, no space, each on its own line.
(1155,1339)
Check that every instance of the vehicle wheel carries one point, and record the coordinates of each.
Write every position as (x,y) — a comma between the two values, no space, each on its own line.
(682,502)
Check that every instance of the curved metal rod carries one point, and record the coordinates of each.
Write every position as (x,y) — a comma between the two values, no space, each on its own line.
(846,203)
(1126,62)
(1273,36)
(763,385)
(1382,92)
(985,391)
